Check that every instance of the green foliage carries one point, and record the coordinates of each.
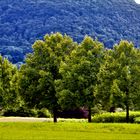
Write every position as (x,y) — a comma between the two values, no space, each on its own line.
(9,96)
(78,73)
(119,83)
(137,120)
(45,113)
(61,74)
(115,117)
(97,109)
(25,112)
(41,69)
(22,112)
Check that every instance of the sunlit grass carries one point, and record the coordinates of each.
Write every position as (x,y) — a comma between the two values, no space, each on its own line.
(68,131)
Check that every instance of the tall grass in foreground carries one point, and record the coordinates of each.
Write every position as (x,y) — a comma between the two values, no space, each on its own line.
(68,131)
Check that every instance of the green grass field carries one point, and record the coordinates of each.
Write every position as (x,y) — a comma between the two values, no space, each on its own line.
(68,131)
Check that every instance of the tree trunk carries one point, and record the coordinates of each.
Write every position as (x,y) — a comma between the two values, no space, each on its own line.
(127,113)
(127,106)
(89,114)
(54,115)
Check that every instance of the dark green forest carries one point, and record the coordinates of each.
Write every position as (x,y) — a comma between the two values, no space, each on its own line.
(61,74)
(24,21)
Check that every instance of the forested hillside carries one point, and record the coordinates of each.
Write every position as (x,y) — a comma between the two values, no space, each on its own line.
(24,21)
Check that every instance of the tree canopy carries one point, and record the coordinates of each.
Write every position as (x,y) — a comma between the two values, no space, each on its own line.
(8,92)
(119,76)
(42,69)
(62,74)
(79,75)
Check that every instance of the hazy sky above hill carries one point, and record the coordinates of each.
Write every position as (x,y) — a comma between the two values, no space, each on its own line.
(137,1)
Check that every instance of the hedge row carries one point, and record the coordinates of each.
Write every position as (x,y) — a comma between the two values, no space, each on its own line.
(23,112)
(119,117)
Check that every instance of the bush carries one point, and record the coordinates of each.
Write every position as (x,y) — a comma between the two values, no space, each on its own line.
(137,120)
(22,112)
(44,113)
(119,117)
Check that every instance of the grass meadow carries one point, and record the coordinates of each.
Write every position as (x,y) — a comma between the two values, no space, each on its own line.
(68,131)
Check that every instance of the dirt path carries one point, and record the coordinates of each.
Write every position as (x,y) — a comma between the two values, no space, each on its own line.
(24,119)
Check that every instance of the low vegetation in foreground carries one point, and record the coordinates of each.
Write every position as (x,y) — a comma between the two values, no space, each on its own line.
(68,131)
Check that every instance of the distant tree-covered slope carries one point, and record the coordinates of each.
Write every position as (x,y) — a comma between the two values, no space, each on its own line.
(24,21)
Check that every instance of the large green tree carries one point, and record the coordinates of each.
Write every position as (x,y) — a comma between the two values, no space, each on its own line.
(41,69)
(8,93)
(119,77)
(79,75)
